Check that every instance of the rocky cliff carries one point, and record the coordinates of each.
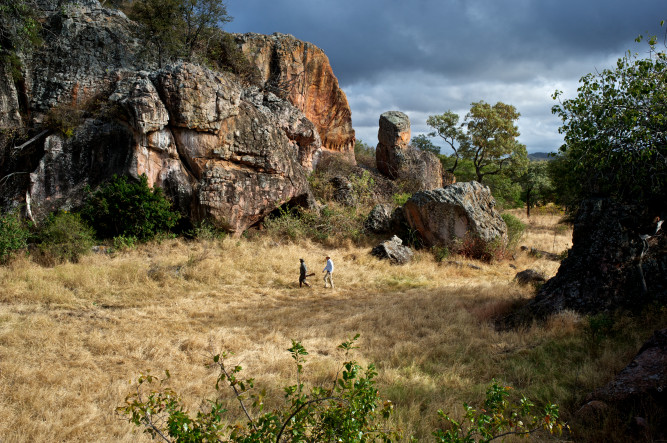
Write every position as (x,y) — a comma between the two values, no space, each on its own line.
(218,148)
(303,72)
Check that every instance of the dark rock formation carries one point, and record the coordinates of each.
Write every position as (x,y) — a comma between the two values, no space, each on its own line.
(302,72)
(605,270)
(637,396)
(397,160)
(529,276)
(445,215)
(379,219)
(394,251)
(343,191)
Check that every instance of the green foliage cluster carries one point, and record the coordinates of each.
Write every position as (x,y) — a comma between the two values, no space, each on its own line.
(14,235)
(515,230)
(129,209)
(422,143)
(487,137)
(64,237)
(349,410)
(615,143)
(64,119)
(499,418)
(223,53)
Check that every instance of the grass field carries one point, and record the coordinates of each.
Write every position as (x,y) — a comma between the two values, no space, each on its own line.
(73,336)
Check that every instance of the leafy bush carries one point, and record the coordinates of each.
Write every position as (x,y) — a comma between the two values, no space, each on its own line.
(515,230)
(129,209)
(499,418)
(331,223)
(122,242)
(13,235)
(63,119)
(349,410)
(64,237)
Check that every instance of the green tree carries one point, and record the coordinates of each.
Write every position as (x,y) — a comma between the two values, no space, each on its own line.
(447,127)
(179,28)
(614,130)
(492,134)
(422,143)
(535,183)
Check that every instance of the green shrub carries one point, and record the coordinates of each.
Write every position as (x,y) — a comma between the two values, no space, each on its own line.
(347,410)
(515,230)
(63,119)
(13,235)
(499,417)
(64,237)
(122,242)
(400,198)
(129,209)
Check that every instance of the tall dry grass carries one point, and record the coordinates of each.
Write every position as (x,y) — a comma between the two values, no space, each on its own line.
(73,336)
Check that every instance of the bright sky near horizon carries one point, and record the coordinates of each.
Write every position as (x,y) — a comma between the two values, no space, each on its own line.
(424,57)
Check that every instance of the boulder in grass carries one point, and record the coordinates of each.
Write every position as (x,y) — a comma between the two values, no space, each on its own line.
(394,251)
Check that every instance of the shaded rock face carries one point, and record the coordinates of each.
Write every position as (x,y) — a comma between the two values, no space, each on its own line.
(445,215)
(379,219)
(343,191)
(394,251)
(602,271)
(218,149)
(397,160)
(304,71)
(639,392)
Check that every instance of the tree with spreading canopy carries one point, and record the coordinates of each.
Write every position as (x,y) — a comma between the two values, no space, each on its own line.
(535,183)
(487,137)
(615,130)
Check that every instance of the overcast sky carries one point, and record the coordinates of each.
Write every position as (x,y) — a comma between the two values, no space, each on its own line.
(424,57)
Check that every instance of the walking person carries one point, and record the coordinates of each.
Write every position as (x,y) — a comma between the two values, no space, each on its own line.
(328,277)
(303,274)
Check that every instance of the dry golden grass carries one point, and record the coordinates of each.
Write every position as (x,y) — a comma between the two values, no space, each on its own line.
(72,336)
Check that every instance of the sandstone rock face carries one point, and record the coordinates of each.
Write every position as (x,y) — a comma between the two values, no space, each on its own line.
(397,160)
(394,251)
(218,149)
(303,70)
(445,215)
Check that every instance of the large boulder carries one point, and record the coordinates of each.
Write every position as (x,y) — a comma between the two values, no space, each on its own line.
(301,71)
(447,215)
(396,159)
(617,261)
(379,219)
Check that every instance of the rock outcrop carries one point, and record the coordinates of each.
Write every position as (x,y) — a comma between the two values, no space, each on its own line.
(446,215)
(218,148)
(605,269)
(394,251)
(303,72)
(396,159)
(637,396)
(379,219)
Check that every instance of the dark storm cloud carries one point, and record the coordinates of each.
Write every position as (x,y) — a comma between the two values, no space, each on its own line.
(426,56)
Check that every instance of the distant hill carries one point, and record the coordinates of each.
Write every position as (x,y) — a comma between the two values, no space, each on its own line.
(539,156)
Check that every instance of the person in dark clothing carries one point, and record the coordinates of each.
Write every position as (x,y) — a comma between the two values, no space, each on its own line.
(303,274)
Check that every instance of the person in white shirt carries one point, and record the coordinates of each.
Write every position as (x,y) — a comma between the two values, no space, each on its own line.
(328,277)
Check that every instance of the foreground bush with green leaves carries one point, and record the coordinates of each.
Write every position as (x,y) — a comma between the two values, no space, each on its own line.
(349,410)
